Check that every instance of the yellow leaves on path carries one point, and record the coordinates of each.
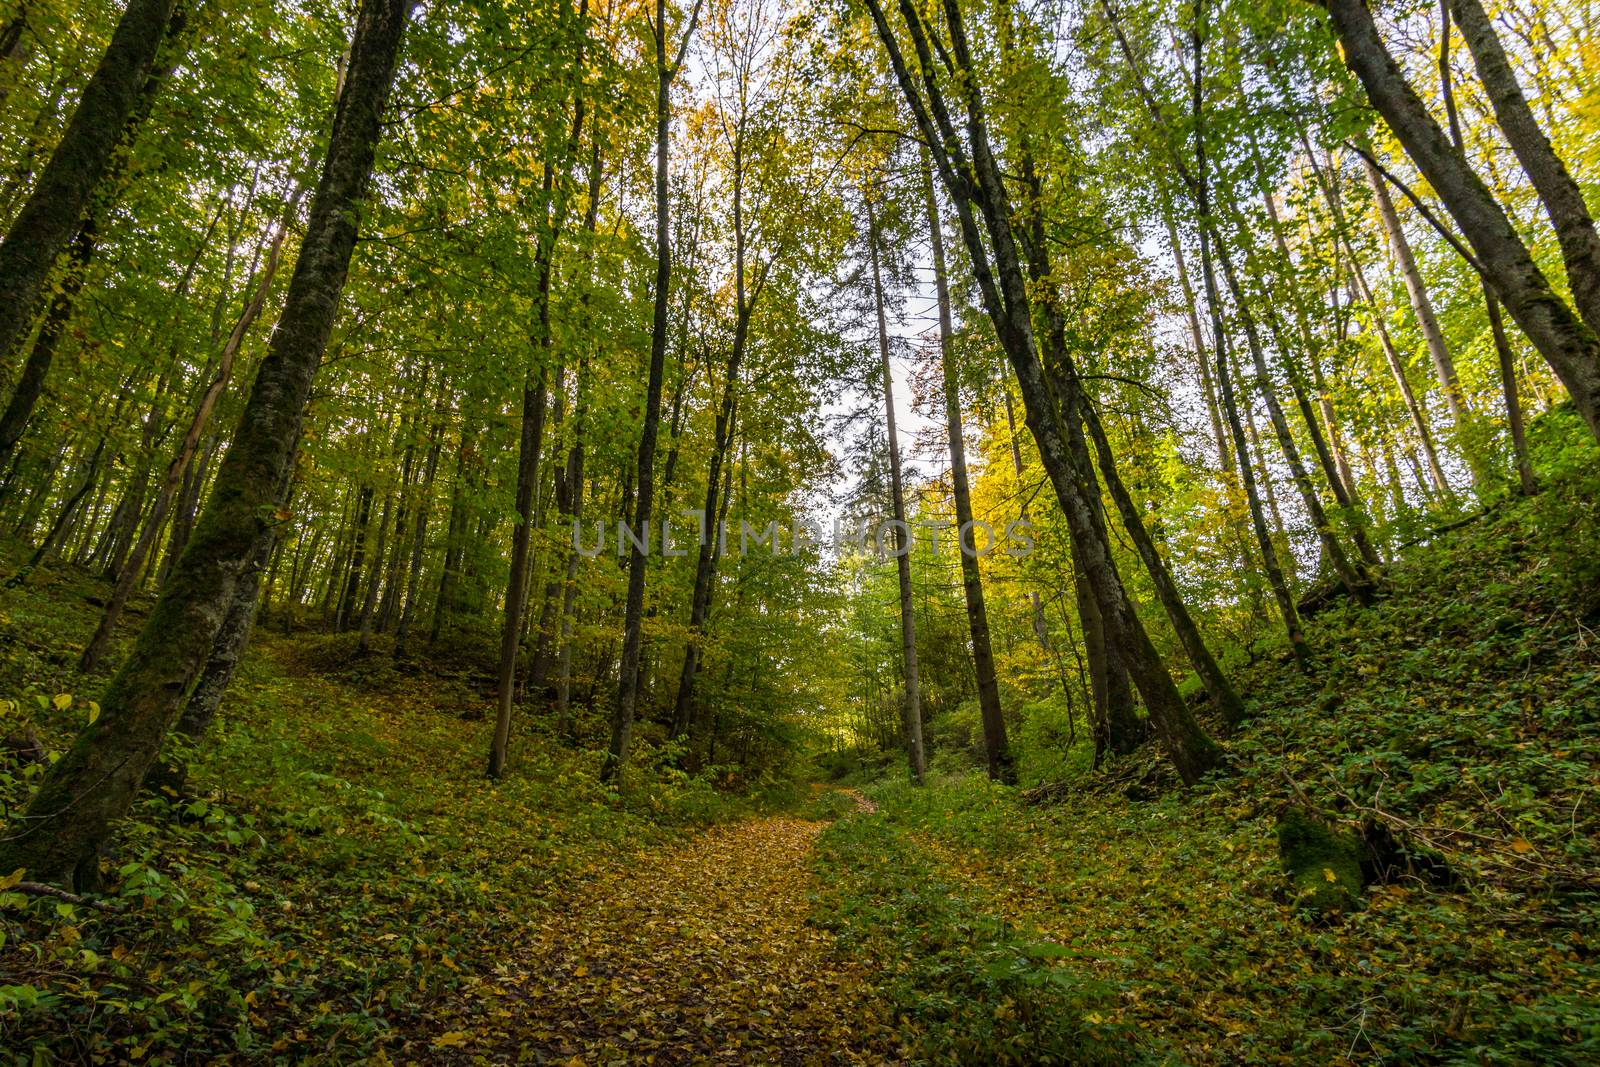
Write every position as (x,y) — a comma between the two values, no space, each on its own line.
(699,953)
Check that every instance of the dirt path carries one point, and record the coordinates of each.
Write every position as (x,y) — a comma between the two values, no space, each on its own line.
(696,954)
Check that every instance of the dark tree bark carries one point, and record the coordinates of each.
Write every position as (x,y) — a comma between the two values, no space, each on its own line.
(575,470)
(1567,344)
(96,779)
(531,443)
(975,182)
(79,164)
(444,601)
(1197,183)
(419,535)
(369,603)
(53,537)
(996,747)
(30,386)
(170,770)
(633,611)
(1558,192)
(707,557)
(358,560)
(1218,688)
(132,568)
(911,709)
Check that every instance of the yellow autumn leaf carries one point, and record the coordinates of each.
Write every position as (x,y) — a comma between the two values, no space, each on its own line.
(62,701)
(1521,845)
(1329,875)
(451,1039)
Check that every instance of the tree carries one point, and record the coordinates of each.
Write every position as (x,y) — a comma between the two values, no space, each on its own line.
(997,750)
(971,174)
(622,714)
(95,781)
(1567,344)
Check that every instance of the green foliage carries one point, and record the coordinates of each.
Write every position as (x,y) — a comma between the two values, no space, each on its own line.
(967,986)
(339,870)
(1460,713)
(1323,864)
(1053,744)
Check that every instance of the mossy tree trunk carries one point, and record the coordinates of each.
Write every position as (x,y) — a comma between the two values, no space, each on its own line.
(93,784)
(79,164)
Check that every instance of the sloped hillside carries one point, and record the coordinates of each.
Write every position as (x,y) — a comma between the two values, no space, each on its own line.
(1453,730)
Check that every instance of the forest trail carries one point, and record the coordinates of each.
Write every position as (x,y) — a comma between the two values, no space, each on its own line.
(700,953)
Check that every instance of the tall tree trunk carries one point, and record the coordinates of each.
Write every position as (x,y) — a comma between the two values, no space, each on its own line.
(1397,370)
(1197,182)
(58,528)
(1264,540)
(977,183)
(997,750)
(183,513)
(1491,306)
(1329,456)
(1444,365)
(1357,584)
(575,464)
(911,710)
(1217,687)
(419,533)
(1567,344)
(1562,199)
(638,560)
(358,560)
(706,558)
(232,636)
(1041,630)
(1392,358)
(569,584)
(553,209)
(1526,483)
(133,566)
(79,164)
(444,602)
(30,384)
(745,295)
(1196,335)
(96,779)
(369,603)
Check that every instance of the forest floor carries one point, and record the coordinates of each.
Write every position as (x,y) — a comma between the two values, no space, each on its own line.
(342,884)
(698,953)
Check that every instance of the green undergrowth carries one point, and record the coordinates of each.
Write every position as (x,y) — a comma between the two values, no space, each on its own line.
(1456,725)
(338,867)
(968,986)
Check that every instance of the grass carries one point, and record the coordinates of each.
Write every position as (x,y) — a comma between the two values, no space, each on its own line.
(339,868)
(1462,714)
